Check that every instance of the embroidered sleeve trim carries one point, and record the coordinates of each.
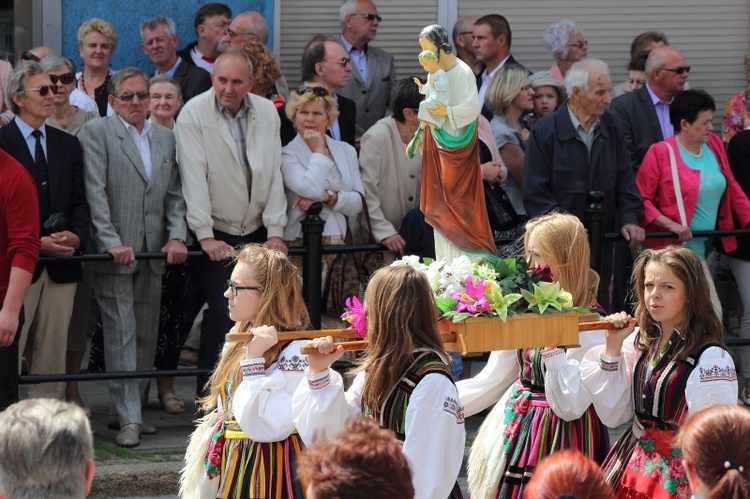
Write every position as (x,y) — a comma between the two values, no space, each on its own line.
(252,367)
(609,365)
(717,373)
(319,380)
(454,407)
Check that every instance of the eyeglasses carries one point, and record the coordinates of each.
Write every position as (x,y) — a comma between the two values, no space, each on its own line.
(28,56)
(580,45)
(319,91)
(466,33)
(235,289)
(369,17)
(129,96)
(343,62)
(679,71)
(65,79)
(235,34)
(43,90)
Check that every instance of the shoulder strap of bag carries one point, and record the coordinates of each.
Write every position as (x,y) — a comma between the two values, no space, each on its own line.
(676,181)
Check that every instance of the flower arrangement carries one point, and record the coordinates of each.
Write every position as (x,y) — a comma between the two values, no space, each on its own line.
(466,289)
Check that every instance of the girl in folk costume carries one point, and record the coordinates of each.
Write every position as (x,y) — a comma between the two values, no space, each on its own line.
(673,365)
(403,382)
(546,409)
(247,445)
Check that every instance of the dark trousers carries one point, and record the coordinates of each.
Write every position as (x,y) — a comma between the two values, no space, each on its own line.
(213,277)
(9,369)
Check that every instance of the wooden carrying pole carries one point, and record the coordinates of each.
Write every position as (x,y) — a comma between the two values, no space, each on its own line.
(360,344)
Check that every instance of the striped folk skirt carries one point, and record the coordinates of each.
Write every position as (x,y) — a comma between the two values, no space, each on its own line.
(534,432)
(259,470)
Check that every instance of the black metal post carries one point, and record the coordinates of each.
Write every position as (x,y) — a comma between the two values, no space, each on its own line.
(595,215)
(312,261)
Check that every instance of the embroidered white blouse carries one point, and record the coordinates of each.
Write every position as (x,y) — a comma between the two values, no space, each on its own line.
(609,381)
(565,395)
(435,434)
(262,403)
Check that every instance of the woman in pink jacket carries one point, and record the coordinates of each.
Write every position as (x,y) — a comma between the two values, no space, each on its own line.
(707,196)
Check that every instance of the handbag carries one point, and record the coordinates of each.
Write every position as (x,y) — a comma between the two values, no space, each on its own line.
(349,272)
(500,210)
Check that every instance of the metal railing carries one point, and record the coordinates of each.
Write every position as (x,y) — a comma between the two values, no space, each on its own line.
(312,252)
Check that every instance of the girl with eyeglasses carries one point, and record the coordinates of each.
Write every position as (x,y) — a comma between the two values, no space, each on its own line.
(247,445)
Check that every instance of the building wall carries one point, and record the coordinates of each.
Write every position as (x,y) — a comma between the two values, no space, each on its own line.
(127,22)
(712,35)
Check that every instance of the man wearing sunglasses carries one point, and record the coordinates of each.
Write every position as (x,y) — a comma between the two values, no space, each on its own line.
(230,161)
(54,159)
(325,61)
(133,187)
(645,112)
(644,115)
(373,69)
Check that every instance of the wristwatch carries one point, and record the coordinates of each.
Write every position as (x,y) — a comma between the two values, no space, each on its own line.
(330,195)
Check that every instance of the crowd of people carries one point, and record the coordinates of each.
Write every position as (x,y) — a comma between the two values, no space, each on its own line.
(213,151)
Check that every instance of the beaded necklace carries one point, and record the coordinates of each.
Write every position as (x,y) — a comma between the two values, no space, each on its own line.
(100,90)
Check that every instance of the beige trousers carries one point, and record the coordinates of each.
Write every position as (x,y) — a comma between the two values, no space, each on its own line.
(47,308)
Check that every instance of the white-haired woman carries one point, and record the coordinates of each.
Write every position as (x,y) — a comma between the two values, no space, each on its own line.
(564,42)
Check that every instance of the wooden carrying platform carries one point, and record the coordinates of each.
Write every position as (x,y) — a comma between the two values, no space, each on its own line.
(479,334)
(485,334)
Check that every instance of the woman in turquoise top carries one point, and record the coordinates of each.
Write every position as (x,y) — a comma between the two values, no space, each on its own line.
(711,198)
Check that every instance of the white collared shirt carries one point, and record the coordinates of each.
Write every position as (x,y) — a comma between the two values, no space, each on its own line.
(486,78)
(26,131)
(142,141)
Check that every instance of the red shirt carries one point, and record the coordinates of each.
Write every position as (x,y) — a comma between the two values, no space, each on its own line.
(19,220)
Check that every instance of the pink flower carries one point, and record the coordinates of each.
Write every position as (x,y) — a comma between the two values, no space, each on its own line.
(683,490)
(676,469)
(355,315)
(214,451)
(472,300)
(638,458)
(511,429)
(521,405)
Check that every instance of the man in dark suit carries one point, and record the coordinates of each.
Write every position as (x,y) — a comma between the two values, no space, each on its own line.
(53,158)
(133,186)
(325,61)
(373,69)
(160,45)
(645,113)
(492,37)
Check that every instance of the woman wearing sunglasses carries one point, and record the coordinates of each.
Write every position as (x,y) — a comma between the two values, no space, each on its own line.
(65,116)
(317,168)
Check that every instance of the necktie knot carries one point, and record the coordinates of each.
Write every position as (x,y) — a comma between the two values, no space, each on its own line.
(37,134)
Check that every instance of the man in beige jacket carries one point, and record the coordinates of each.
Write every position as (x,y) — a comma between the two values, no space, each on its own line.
(230,162)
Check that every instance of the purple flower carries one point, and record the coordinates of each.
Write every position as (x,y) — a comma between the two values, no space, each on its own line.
(544,272)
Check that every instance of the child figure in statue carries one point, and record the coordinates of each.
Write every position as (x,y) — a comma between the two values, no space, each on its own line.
(437,88)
